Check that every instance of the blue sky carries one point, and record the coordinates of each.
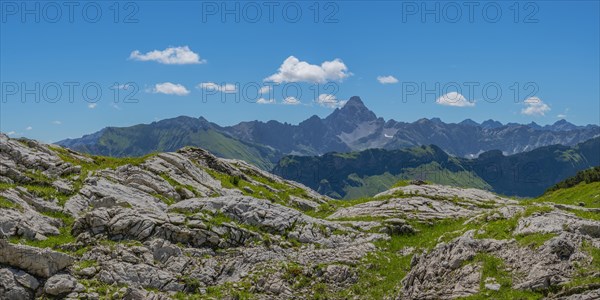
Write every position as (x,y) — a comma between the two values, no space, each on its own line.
(550,50)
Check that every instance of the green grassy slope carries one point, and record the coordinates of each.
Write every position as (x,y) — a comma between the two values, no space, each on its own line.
(381,272)
(171,135)
(432,172)
(366,173)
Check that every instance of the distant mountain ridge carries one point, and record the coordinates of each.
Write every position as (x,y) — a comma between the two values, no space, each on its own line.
(351,128)
(171,135)
(368,172)
(354,128)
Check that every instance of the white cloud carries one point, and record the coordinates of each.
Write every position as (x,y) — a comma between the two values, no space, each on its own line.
(454,99)
(294,70)
(92,105)
(170,89)
(28,128)
(387,79)
(265,101)
(227,88)
(291,101)
(56,122)
(535,107)
(265,89)
(330,101)
(11,133)
(564,114)
(170,56)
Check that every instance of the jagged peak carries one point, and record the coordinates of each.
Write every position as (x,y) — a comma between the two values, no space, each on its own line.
(354,111)
(562,122)
(491,122)
(314,119)
(469,122)
(355,101)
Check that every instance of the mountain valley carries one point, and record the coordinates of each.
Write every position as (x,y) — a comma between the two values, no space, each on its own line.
(366,173)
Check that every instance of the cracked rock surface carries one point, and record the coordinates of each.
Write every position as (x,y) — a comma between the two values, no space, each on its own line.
(188,224)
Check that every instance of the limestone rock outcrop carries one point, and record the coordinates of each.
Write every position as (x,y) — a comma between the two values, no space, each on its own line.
(190,224)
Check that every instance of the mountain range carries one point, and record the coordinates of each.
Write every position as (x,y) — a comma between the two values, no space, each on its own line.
(366,173)
(171,135)
(352,127)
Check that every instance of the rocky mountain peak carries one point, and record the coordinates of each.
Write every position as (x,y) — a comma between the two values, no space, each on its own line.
(355,101)
(203,120)
(469,122)
(563,124)
(534,125)
(350,115)
(184,122)
(314,118)
(356,109)
(491,124)
(312,123)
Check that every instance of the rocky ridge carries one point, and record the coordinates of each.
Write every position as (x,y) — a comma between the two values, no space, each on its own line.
(352,127)
(189,225)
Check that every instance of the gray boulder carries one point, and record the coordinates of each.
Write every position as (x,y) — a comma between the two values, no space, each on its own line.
(16,285)
(36,261)
(60,284)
